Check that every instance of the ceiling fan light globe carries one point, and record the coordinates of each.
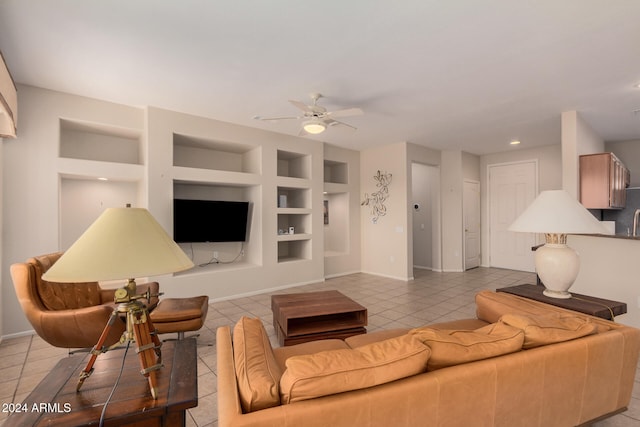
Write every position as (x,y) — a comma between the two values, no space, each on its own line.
(314,127)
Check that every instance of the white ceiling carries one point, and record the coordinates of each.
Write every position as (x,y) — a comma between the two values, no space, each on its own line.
(447,74)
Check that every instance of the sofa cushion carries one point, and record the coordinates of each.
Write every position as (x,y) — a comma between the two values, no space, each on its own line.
(452,347)
(257,372)
(336,371)
(550,328)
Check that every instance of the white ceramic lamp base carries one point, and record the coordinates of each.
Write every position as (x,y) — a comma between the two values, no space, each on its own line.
(557,266)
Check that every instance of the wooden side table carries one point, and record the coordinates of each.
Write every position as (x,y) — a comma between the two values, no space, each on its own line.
(311,316)
(55,401)
(598,307)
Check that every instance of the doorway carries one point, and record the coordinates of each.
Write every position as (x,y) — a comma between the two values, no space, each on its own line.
(512,187)
(425,215)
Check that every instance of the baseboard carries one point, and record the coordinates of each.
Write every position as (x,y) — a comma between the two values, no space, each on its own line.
(333,276)
(17,335)
(265,291)
(404,279)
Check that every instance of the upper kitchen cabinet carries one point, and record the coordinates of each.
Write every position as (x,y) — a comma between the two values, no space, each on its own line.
(603,181)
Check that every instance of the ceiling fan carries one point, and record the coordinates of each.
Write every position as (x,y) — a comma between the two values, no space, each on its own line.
(316,118)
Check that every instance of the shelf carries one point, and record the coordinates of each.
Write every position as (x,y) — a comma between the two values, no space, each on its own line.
(202,153)
(292,237)
(204,176)
(93,169)
(293,211)
(100,142)
(294,250)
(336,172)
(293,182)
(294,165)
(295,198)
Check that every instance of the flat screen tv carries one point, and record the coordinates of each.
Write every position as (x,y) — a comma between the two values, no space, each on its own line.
(209,221)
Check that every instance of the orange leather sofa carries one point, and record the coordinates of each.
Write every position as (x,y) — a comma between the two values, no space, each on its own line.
(550,377)
(69,315)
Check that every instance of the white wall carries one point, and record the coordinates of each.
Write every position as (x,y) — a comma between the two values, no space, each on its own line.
(577,138)
(36,182)
(384,244)
(608,269)
(31,218)
(451,175)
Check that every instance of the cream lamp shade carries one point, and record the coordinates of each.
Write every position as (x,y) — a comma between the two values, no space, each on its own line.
(8,102)
(123,243)
(555,214)
(314,127)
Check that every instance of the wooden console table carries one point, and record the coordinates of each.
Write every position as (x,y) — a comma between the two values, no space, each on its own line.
(55,401)
(312,316)
(582,303)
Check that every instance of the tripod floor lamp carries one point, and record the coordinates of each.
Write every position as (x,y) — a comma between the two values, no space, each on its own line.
(123,243)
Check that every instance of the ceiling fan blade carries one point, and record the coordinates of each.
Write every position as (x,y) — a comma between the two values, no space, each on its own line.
(301,105)
(331,122)
(276,118)
(346,112)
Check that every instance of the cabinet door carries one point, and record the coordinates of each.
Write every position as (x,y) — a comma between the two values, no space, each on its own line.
(595,181)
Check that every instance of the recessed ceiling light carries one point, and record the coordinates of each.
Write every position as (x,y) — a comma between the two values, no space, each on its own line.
(514,142)
(103,179)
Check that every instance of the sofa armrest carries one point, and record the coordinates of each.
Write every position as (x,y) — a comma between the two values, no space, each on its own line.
(228,397)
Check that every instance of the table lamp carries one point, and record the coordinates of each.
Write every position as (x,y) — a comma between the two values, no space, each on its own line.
(123,243)
(555,214)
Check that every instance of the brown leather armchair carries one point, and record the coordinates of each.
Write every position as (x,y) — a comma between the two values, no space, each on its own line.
(69,315)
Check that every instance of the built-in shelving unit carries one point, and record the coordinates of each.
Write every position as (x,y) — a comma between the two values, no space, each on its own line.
(294,206)
(208,169)
(99,166)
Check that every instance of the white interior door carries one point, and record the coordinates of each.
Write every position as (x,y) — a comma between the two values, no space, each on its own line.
(512,187)
(471,208)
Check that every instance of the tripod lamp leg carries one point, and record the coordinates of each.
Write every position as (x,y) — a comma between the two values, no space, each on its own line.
(97,349)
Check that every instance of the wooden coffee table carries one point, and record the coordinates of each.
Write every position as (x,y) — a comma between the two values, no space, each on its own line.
(55,401)
(310,316)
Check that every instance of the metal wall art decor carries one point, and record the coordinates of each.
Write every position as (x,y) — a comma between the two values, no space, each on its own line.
(376,200)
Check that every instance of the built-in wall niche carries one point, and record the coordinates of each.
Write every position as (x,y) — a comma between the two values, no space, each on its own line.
(222,255)
(294,197)
(82,201)
(294,250)
(294,165)
(301,224)
(336,224)
(94,141)
(193,152)
(336,172)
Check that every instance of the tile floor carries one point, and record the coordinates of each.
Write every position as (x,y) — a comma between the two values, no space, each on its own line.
(431,297)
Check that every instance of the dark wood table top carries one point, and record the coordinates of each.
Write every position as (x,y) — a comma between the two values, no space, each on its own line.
(55,400)
(308,304)
(594,306)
